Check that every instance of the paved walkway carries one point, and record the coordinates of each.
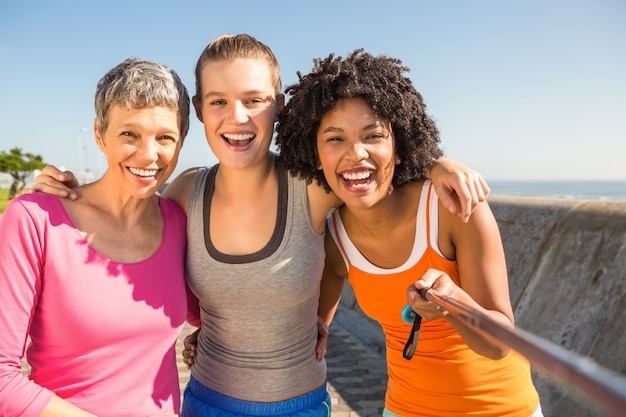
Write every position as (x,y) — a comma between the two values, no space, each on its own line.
(357,374)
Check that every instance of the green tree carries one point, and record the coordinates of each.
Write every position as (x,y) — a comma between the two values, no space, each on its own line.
(18,165)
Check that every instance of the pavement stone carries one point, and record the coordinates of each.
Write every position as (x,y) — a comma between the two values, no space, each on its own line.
(357,375)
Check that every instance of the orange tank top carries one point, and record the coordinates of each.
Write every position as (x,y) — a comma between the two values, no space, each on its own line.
(445,377)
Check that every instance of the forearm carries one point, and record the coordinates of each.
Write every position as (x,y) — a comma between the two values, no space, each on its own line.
(331,289)
(479,342)
(333,278)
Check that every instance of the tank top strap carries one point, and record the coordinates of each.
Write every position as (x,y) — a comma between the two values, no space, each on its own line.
(196,197)
(429,206)
(426,234)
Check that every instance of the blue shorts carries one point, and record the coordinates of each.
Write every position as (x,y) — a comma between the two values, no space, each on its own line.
(200,401)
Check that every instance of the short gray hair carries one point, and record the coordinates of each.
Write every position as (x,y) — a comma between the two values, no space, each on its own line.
(138,83)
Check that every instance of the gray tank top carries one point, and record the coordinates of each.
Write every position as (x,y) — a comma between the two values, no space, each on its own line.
(258,311)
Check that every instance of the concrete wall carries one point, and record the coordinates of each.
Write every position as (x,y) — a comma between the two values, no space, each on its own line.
(567,273)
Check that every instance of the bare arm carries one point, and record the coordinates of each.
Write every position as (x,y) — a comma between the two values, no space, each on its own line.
(484,286)
(459,188)
(56,182)
(333,280)
(180,189)
(331,288)
(320,204)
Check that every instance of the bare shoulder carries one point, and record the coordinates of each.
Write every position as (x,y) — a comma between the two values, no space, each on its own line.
(334,261)
(455,235)
(481,217)
(179,190)
(320,203)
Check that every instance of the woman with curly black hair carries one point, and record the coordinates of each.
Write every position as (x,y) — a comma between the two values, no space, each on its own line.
(391,96)
(357,126)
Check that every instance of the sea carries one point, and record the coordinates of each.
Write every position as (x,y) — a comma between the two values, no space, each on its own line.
(614,190)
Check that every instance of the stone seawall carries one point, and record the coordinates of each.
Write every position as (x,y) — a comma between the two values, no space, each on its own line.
(566,262)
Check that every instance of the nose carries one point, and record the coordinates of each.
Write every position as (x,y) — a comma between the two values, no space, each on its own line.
(148,150)
(358,151)
(239,113)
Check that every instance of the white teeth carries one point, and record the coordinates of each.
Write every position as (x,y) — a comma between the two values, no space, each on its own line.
(143,172)
(246,136)
(360,175)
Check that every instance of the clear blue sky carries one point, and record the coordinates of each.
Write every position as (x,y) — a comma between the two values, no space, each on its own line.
(532,89)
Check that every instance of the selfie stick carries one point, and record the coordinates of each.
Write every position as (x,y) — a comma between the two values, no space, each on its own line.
(598,384)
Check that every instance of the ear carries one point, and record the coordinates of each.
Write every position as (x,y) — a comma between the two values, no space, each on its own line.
(280,105)
(98,136)
(197,104)
(319,162)
(396,157)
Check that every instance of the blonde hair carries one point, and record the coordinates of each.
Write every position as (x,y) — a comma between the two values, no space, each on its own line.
(229,47)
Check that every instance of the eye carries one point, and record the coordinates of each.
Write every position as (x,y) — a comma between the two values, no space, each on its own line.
(256,102)
(168,138)
(376,137)
(334,139)
(218,102)
(127,134)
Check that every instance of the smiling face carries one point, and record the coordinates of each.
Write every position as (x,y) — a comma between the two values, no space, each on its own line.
(238,108)
(141,146)
(356,153)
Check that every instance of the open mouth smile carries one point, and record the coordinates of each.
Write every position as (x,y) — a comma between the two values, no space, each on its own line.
(358,178)
(242,139)
(144,173)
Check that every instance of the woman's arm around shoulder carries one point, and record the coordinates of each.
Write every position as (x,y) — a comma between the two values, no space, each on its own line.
(333,279)
(320,204)
(180,189)
(53,181)
(331,288)
(460,188)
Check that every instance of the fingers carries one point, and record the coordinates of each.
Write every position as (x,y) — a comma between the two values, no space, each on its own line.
(54,172)
(459,188)
(190,342)
(469,192)
(446,197)
(53,181)
(436,279)
(321,348)
(468,200)
(51,171)
(53,187)
(432,278)
(322,339)
(189,353)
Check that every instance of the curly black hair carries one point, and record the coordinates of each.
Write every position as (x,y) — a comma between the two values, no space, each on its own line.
(380,80)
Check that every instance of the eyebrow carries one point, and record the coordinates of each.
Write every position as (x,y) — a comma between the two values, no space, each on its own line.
(245,93)
(371,126)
